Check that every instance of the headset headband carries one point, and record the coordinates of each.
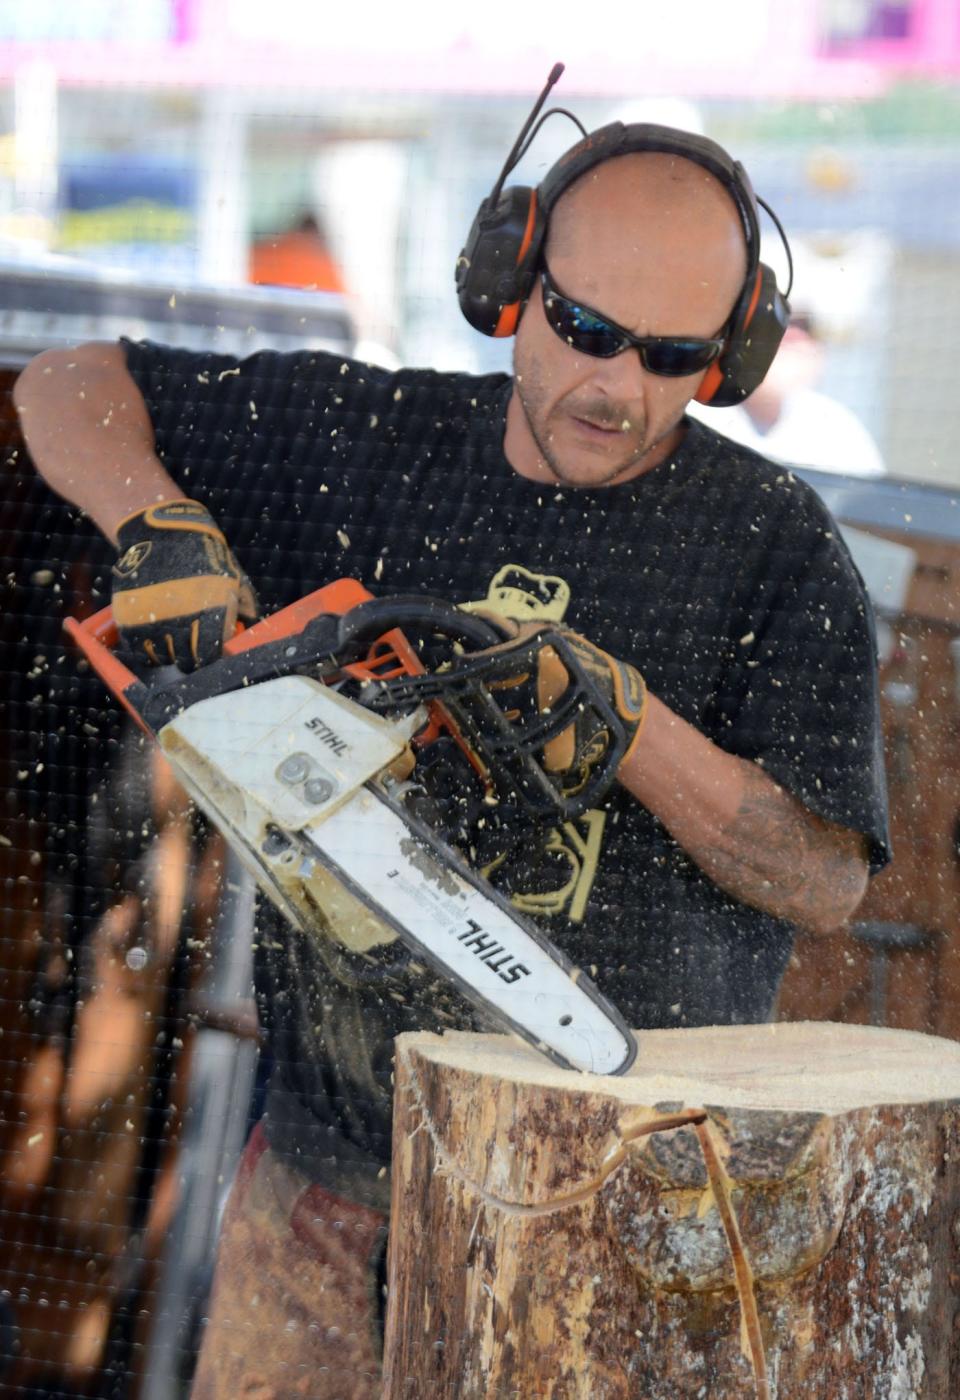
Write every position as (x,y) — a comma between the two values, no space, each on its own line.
(616,139)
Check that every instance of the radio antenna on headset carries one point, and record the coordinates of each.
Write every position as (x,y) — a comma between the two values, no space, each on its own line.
(516,151)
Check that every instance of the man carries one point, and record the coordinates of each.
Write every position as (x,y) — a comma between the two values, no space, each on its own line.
(752,798)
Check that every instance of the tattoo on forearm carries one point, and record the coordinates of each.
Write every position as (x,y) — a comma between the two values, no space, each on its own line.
(776,855)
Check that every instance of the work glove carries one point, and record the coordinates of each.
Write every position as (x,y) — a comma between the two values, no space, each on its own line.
(177,589)
(573,754)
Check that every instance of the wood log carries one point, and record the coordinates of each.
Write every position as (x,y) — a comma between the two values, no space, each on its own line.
(753,1211)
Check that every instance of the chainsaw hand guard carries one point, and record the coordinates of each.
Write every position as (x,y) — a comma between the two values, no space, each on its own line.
(510,742)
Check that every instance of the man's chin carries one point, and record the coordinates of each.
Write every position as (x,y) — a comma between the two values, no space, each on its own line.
(583,458)
(582,454)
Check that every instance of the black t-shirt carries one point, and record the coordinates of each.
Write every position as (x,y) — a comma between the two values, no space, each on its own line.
(720,576)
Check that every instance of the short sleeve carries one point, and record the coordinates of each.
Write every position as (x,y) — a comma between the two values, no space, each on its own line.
(801,695)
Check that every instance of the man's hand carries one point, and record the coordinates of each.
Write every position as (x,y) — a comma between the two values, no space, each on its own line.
(575,752)
(177,589)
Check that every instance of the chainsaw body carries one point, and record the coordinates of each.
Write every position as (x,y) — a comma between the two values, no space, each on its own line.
(311,745)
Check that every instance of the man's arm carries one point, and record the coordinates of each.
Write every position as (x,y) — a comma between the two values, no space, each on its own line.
(89,434)
(177,589)
(749,835)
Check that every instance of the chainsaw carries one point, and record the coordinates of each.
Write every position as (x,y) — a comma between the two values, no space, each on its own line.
(358,756)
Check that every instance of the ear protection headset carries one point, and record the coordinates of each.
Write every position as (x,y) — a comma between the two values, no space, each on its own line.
(497,269)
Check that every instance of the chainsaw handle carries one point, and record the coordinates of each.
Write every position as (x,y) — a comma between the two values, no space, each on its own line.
(97,637)
(366,622)
(340,620)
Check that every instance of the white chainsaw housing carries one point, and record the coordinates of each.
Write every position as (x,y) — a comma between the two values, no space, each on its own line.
(283,756)
(297,778)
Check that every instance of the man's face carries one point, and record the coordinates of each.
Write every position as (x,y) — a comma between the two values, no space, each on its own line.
(656,244)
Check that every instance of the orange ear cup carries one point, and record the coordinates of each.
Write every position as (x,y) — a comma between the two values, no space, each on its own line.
(508,319)
(510,315)
(710,383)
(713,378)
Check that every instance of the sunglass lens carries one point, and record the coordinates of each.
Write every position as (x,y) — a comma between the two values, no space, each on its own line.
(580,328)
(675,358)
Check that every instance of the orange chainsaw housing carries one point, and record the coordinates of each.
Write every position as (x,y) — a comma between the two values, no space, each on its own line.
(390,656)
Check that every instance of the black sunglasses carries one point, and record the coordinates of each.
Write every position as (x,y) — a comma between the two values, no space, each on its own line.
(592,334)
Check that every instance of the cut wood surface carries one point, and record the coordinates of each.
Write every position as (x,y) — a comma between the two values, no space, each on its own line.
(765,1211)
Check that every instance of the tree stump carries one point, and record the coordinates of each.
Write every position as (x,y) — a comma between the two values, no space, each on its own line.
(753,1211)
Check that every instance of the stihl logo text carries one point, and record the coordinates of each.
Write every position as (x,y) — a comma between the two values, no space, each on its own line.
(328,737)
(499,959)
(489,951)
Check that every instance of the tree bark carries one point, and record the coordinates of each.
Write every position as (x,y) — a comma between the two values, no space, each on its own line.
(753,1211)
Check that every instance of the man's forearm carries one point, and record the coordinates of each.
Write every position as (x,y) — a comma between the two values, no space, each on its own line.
(89,434)
(751,837)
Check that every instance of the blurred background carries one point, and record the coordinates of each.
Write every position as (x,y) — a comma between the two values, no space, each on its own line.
(233,174)
(171,136)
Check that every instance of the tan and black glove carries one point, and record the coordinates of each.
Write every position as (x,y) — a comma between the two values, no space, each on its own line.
(177,589)
(572,756)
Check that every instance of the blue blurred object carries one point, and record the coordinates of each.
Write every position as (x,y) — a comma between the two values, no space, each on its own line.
(104,182)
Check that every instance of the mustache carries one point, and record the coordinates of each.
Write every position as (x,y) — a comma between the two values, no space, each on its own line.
(604,414)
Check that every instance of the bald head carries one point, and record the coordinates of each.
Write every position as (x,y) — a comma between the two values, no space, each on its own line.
(654,244)
(648,217)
